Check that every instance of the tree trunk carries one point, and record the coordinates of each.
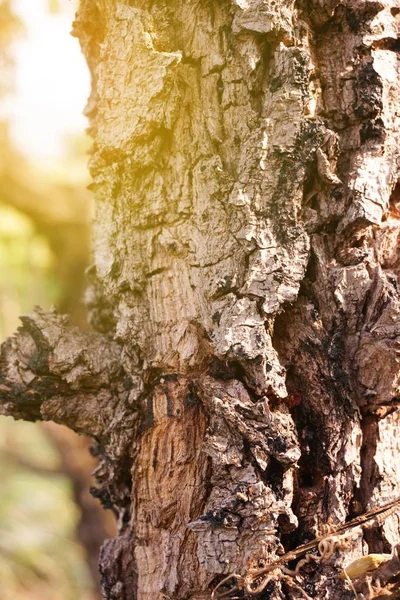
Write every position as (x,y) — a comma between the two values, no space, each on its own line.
(244,384)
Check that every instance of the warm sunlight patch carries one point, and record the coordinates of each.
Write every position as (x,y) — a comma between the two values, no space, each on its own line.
(52,79)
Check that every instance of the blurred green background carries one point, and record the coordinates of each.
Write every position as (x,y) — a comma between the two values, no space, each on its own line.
(50,527)
(40,553)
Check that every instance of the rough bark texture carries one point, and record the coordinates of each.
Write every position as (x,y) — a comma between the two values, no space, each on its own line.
(245,384)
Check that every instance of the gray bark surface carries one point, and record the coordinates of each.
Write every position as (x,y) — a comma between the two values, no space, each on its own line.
(244,384)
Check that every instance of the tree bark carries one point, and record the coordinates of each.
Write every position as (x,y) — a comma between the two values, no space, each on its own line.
(244,384)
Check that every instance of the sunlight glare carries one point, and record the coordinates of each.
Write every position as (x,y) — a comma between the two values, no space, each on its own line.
(52,81)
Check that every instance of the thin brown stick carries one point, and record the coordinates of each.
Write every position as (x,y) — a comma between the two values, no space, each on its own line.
(333,539)
(221,583)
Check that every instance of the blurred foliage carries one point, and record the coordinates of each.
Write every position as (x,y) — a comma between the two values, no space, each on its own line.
(39,558)
(43,251)
(26,269)
(54,6)
(10,26)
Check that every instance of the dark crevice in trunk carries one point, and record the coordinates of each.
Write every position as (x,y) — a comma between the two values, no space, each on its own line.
(369,476)
(233,369)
